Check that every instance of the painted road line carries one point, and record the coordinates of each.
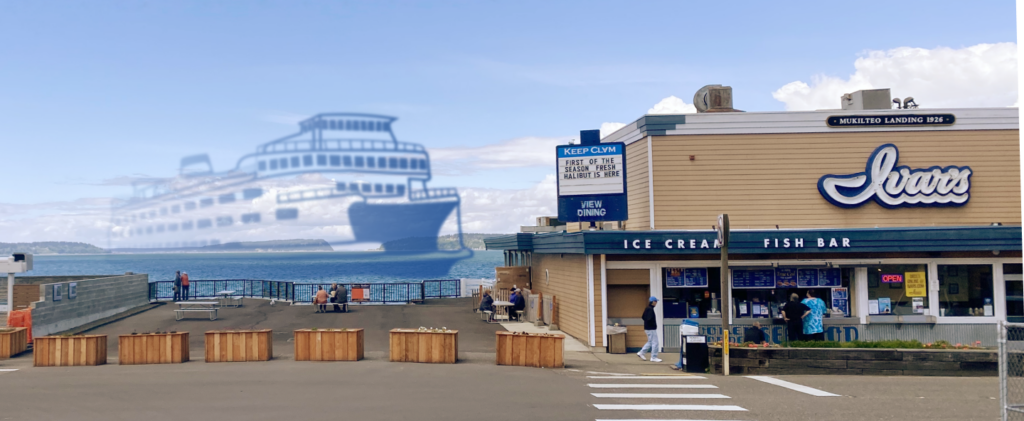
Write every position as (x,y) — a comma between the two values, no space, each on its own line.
(645,378)
(652,386)
(648,419)
(7,370)
(660,395)
(669,407)
(792,386)
(610,374)
(668,374)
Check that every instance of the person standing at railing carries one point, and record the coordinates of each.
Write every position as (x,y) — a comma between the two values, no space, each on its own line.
(184,286)
(177,286)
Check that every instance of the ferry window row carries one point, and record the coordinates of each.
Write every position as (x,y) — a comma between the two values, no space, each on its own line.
(220,221)
(347,161)
(355,125)
(398,189)
(247,194)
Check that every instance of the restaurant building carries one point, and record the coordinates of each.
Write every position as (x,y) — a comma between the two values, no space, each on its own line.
(907,222)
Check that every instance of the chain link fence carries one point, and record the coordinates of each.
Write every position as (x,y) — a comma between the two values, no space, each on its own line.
(1011,370)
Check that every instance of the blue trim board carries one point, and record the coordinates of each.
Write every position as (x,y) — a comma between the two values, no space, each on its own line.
(807,241)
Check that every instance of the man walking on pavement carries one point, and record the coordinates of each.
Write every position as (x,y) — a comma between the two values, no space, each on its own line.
(651,329)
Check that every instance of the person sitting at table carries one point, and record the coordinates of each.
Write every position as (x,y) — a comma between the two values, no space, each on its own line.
(518,304)
(755,334)
(512,300)
(320,300)
(486,302)
(340,297)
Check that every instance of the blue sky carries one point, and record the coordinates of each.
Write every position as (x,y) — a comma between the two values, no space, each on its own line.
(97,90)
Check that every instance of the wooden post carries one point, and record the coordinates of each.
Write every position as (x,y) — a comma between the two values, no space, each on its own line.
(723,238)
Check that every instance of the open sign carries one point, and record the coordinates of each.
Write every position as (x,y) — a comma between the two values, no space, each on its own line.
(892,278)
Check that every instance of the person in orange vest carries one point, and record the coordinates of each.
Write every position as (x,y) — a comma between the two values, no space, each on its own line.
(184,286)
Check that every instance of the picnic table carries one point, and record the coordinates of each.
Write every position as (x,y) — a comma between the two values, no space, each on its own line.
(501,309)
(186,307)
(229,299)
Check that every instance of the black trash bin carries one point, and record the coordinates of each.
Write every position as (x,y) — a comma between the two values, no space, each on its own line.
(696,351)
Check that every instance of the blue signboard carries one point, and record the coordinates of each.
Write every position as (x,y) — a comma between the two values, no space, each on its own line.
(841,300)
(753,278)
(686,278)
(807,278)
(830,278)
(785,277)
(591,180)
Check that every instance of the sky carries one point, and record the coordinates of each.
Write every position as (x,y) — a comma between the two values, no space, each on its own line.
(94,94)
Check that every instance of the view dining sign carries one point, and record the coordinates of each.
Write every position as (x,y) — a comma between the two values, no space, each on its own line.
(894,186)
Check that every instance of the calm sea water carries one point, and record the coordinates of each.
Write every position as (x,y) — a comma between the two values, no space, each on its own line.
(351,267)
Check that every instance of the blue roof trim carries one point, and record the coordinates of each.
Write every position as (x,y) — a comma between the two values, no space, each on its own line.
(701,242)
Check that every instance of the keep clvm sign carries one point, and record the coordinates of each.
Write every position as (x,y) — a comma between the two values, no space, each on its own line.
(592,182)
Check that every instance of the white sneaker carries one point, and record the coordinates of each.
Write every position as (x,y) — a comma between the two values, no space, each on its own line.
(655,360)
(642,357)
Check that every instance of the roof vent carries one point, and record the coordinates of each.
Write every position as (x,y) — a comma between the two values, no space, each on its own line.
(867,99)
(714,99)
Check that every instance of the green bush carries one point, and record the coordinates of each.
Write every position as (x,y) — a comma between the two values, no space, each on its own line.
(888,344)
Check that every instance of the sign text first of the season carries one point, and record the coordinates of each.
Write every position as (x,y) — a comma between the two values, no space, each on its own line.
(592,180)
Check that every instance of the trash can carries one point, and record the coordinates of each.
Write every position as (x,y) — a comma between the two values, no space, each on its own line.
(696,348)
(616,339)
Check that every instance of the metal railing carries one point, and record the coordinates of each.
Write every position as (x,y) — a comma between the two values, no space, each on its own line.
(1011,370)
(433,193)
(302,292)
(350,145)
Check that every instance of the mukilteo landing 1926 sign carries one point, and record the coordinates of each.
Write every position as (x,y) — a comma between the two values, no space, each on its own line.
(891,120)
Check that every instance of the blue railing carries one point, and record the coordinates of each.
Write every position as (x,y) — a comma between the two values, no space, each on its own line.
(394,292)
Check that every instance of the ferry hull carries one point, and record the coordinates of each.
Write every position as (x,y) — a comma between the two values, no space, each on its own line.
(416,224)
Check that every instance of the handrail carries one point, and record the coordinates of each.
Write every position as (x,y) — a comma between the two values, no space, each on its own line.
(302,292)
(341,145)
(434,193)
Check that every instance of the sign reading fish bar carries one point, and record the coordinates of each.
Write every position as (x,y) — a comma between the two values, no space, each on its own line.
(592,182)
(891,120)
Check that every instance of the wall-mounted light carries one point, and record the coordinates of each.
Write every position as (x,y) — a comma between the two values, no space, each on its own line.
(997,224)
(995,252)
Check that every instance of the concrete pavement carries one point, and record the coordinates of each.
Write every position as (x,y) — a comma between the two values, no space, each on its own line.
(593,386)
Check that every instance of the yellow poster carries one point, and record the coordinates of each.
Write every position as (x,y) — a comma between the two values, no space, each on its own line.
(917,286)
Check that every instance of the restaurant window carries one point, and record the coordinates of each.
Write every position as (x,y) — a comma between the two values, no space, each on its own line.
(335,160)
(307,160)
(897,289)
(263,165)
(273,164)
(830,285)
(966,291)
(380,162)
(359,162)
(690,300)
(321,160)
(1012,275)
(370,162)
(347,160)
(283,163)
(295,162)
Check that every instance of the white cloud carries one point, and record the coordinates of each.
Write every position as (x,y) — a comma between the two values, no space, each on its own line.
(984,75)
(609,128)
(505,210)
(520,152)
(672,105)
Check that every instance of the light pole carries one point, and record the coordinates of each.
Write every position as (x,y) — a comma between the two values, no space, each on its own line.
(17,263)
(723,239)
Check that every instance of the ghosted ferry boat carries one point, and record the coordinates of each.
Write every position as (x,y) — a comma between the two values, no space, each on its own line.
(344,178)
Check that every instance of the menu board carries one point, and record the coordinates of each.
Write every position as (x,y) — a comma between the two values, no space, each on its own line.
(841,300)
(830,278)
(785,277)
(753,278)
(686,278)
(807,278)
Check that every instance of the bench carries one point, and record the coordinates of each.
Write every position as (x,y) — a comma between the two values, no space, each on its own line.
(330,306)
(180,313)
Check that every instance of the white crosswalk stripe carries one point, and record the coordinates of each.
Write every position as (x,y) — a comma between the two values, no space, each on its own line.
(644,407)
(646,378)
(651,386)
(661,395)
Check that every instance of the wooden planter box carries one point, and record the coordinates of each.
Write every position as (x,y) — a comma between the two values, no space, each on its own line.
(13,341)
(58,351)
(239,345)
(152,348)
(329,345)
(529,350)
(408,345)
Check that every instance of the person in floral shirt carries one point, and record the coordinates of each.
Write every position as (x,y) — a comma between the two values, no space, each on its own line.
(813,329)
